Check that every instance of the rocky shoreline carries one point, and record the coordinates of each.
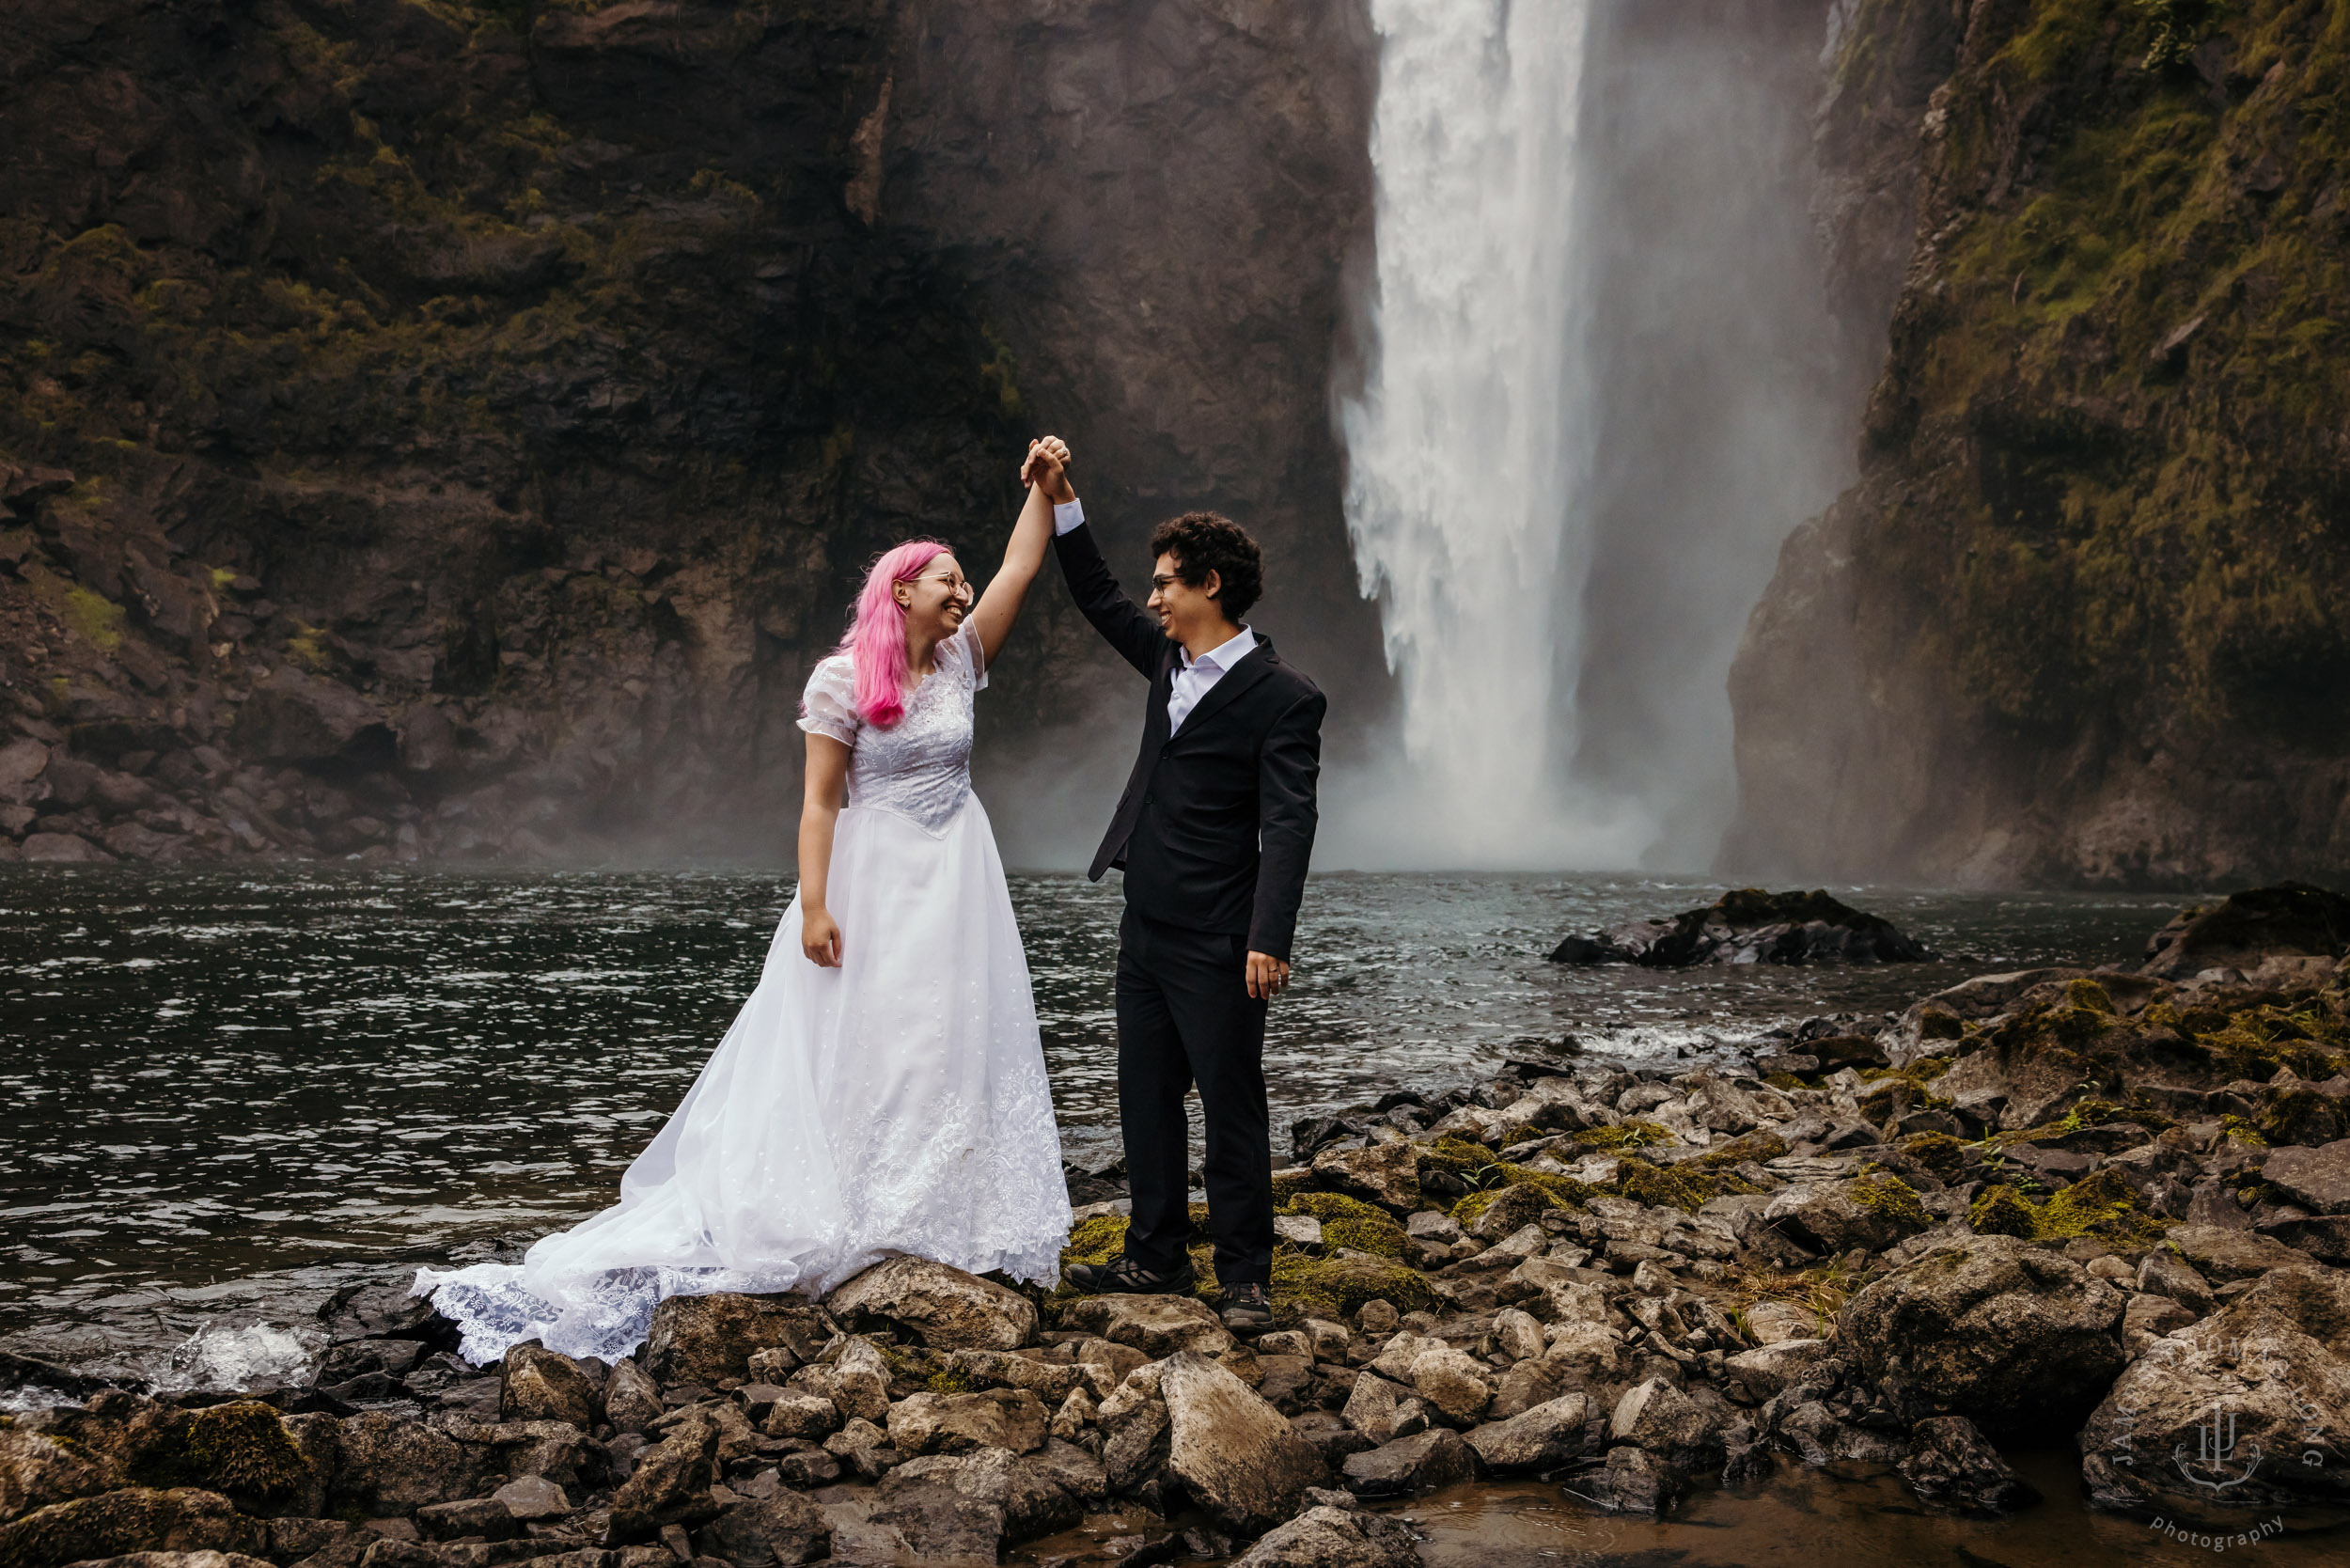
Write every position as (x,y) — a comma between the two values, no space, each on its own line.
(2103,1203)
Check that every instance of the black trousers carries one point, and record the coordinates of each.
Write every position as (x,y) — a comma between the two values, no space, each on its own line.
(1184,1017)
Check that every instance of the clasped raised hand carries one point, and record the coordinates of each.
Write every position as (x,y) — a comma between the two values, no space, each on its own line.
(1047,466)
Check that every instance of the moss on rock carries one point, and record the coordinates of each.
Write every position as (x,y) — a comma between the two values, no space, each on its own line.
(1624,1135)
(1335,1288)
(2000,1210)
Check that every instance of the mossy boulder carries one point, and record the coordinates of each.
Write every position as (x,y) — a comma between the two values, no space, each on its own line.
(243,1450)
(1350,1222)
(1335,1288)
(133,1519)
(2000,1209)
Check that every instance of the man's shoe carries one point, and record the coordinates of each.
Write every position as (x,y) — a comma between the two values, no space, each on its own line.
(1127,1278)
(1245,1308)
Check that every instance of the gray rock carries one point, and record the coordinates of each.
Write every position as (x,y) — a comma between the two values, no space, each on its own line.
(785,1530)
(1303,1231)
(1030,1495)
(1137,1444)
(1428,1224)
(856,1380)
(1658,1417)
(670,1486)
(529,1497)
(801,1415)
(1950,1465)
(1157,1325)
(1011,1418)
(1328,1536)
(1535,1381)
(1540,1438)
(707,1339)
(1835,1217)
(2317,1179)
(537,1385)
(1759,1375)
(177,1559)
(1812,1430)
(1234,1453)
(37,1471)
(133,1519)
(1453,1382)
(942,1526)
(2272,1367)
(1410,1466)
(2164,1273)
(486,1517)
(2324,1237)
(863,1447)
(390,1467)
(2223,1255)
(944,1308)
(1770,1322)
(1990,1328)
(1375,1408)
(631,1400)
(1633,1480)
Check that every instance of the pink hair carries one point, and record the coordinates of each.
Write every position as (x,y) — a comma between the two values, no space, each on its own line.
(876,643)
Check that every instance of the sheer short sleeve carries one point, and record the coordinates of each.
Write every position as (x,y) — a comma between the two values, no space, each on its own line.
(974,653)
(829,706)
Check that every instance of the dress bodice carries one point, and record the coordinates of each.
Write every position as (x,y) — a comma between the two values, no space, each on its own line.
(919,768)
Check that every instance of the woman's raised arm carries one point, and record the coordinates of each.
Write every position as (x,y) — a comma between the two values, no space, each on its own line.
(1024,556)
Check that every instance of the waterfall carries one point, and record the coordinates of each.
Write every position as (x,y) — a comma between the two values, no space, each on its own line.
(1601,387)
(1471,434)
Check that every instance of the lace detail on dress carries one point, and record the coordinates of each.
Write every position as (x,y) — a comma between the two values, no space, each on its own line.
(921,767)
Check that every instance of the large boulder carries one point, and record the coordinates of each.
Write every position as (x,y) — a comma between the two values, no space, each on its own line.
(134,1520)
(297,718)
(857,1380)
(2006,1333)
(1335,1537)
(1950,1465)
(704,1338)
(1035,1496)
(939,1525)
(944,1308)
(1235,1454)
(1157,1325)
(1656,1416)
(1387,1174)
(1540,1438)
(244,1450)
(2224,1255)
(1757,1375)
(2245,930)
(1871,1213)
(2249,1406)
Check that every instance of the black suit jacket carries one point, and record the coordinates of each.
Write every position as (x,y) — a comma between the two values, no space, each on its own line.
(1217,822)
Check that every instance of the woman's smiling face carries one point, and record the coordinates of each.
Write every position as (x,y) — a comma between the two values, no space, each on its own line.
(936,599)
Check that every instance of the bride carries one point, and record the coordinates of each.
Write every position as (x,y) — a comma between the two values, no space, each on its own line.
(882,1091)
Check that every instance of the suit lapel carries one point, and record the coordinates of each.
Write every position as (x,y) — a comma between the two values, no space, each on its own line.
(1255,667)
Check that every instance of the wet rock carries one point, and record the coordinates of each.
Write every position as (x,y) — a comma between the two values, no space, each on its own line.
(631,1400)
(707,1339)
(670,1486)
(390,1467)
(1950,1465)
(1137,1436)
(486,1517)
(1658,1417)
(1332,1537)
(1749,926)
(1989,1328)
(1540,1438)
(1633,1480)
(1234,1453)
(2251,1404)
(1387,1174)
(785,1530)
(943,1526)
(1030,1496)
(856,1381)
(1157,1325)
(538,1384)
(1410,1466)
(62,849)
(1821,1438)
(2317,1179)
(943,1308)
(1012,1418)
(999,1369)
(133,1519)
(37,1471)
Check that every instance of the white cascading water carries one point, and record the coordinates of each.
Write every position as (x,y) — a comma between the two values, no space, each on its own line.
(1467,443)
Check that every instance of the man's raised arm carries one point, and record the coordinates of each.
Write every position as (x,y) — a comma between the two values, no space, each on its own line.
(1118,618)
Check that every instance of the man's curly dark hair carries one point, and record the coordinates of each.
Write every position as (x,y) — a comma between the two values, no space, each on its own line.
(1205,541)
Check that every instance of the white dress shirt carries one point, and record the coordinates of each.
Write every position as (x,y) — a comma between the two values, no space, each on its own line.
(1198,676)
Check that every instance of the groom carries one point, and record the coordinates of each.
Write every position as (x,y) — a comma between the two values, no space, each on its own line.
(1213,833)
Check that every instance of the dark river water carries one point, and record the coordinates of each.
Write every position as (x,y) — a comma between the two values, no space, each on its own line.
(224,1093)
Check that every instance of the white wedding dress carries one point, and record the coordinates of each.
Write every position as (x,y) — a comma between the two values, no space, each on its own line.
(894,1104)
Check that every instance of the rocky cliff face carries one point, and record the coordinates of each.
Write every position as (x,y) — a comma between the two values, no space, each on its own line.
(444,429)
(2080,620)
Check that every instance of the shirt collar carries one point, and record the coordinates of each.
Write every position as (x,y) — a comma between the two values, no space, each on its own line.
(1222,659)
